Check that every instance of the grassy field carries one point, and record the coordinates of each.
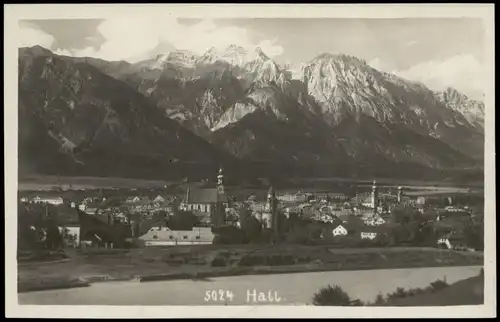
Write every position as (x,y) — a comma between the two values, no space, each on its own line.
(158,263)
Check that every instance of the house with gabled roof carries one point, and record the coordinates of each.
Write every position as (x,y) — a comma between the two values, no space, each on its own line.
(132,199)
(453,240)
(159,199)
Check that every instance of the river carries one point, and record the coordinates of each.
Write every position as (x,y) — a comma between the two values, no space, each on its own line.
(290,289)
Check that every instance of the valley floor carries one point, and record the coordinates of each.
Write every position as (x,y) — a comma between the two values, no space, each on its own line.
(50,182)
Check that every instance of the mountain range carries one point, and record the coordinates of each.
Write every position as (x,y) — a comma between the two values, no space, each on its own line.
(181,114)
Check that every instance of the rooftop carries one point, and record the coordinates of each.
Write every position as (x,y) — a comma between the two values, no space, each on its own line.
(166,234)
(196,195)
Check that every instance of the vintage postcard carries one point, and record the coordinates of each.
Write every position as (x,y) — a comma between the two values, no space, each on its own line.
(250,161)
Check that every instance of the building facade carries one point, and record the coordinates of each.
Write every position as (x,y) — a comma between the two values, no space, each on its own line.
(162,236)
(48,200)
(339,231)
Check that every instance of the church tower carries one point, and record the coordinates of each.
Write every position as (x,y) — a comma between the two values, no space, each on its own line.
(272,205)
(374,201)
(400,194)
(220,182)
(220,212)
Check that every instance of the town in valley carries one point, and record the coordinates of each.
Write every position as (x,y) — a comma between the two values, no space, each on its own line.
(211,213)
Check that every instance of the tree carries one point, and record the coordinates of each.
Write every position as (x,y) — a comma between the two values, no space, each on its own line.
(315,231)
(54,237)
(379,300)
(404,215)
(438,285)
(252,228)
(182,220)
(229,236)
(474,234)
(426,235)
(331,296)
(283,222)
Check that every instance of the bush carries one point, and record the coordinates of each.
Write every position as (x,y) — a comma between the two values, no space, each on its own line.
(399,293)
(218,262)
(331,296)
(134,243)
(438,285)
(250,260)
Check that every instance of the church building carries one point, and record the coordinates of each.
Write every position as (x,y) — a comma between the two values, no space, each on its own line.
(209,201)
(370,200)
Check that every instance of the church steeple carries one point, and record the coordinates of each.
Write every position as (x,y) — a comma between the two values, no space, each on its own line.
(374,198)
(220,181)
(272,205)
(271,198)
(219,214)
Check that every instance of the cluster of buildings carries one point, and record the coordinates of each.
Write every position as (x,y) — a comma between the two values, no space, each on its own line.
(367,215)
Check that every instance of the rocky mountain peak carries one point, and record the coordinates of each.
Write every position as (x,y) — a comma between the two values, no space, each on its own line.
(472,110)
(333,107)
(452,95)
(234,55)
(260,54)
(327,58)
(35,51)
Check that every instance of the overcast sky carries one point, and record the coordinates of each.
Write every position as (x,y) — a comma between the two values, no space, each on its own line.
(438,52)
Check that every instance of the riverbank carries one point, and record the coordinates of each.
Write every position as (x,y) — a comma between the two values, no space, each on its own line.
(199,262)
(287,289)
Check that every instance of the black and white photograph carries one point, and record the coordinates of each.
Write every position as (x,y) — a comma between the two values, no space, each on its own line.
(230,160)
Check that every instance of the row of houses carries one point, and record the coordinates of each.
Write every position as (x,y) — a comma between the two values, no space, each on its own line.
(301,197)
(52,200)
(346,229)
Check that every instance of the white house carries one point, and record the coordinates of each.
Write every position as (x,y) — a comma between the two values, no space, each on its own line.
(91,211)
(297,197)
(454,209)
(368,235)
(374,221)
(445,241)
(82,206)
(132,199)
(161,236)
(49,200)
(339,231)
(159,199)
(24,200)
